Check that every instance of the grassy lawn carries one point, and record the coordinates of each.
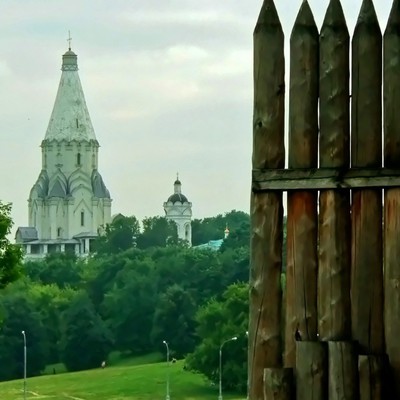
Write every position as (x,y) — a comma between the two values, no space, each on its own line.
(134,382)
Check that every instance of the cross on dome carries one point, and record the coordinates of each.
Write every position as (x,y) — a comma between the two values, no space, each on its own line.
(69,40)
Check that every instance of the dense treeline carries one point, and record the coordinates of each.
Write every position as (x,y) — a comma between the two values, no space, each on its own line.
(139,287)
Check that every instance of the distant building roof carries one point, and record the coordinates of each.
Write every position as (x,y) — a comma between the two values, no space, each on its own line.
(26,234)
(211,245)
(86,235)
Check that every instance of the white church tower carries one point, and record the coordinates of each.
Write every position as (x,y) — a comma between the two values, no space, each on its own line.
(179,209)
(69,201)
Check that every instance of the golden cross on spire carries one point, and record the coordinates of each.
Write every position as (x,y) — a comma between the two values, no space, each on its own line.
(177,176)
(69,40)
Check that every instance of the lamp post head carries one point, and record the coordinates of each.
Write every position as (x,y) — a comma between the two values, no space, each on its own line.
(164,342)
(247,333)
(234,338)
(23,332)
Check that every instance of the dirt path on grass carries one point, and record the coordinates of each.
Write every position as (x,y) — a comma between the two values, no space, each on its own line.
(38,396)
(71,397)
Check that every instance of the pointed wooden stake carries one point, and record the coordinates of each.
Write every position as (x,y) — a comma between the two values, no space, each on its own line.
(265,349)
(302,220)
(367,276)
(334,217)
(391,97)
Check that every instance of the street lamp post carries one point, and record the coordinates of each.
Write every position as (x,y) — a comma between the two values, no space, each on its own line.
(248,377)
(220,365)
(23,334)
(167,395)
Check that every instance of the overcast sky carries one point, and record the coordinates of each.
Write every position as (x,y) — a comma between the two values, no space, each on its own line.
(168,85)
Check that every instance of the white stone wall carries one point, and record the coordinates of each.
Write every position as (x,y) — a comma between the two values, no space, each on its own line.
(181,214)
(65,155)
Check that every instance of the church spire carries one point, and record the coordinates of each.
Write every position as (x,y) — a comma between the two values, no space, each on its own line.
(70,119)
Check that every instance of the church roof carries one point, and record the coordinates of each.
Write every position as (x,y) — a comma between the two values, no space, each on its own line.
(26,234)
(70,119)
(177,197)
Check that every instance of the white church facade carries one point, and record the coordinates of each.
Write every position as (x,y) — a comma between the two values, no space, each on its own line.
(69,201)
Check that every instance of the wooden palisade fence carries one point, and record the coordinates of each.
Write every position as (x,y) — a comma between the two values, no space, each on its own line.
(343,216)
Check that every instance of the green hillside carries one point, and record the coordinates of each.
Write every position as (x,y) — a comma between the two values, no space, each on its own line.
(135,382)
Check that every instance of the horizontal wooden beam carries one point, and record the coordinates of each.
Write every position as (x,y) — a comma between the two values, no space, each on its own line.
(324,178)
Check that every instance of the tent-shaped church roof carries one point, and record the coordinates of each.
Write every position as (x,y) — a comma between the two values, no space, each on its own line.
(70,119)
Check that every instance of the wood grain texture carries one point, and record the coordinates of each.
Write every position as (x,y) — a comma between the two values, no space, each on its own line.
(392,197)
(301,267)
(303,92)
(334,72)
(334,307)
(367,257)
(370,371)
(265,344)
(366,105)
(301,272)
(343,371)
(278,384)
(311,371)
(265,348)
(367,271)
(269,90)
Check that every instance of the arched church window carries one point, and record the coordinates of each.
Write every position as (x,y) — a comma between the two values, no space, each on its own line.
(93,161)
(187,231)
(82,218)
(78,159)
(59,231)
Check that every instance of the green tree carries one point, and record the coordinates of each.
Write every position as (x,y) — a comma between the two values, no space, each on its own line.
(10,254)
(213,228)
(174,321)
(119,236)
(62,269)
(157,232)
(21,314)
(51,302)
(128,307)
(85,340)
(101,271)
(219,321)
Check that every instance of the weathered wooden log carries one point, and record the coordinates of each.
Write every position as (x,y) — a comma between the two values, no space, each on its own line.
(324,178)
(334,258)
(367,263)
(343,371)
(392,197)
(265,343)
(311,371)
(278,384)
(370,371)
(302,219)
